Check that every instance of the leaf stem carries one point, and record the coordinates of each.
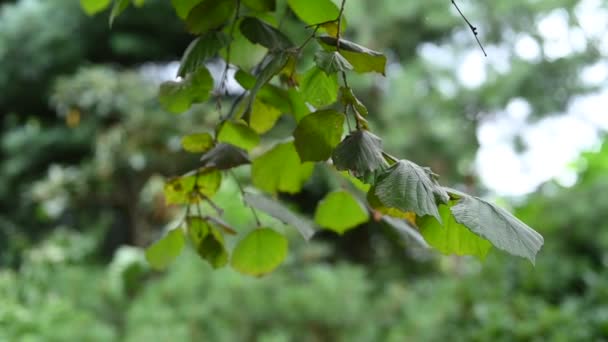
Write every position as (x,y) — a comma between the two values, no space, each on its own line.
(242,191)
(222,87)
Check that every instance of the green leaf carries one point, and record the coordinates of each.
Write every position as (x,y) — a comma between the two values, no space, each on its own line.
(314,11)
(332,62)
(260,252)
(361,153)
(280,169)
(408,187)
(361,58)
(225,156)
(183,7)
(239,135)
(209,15)
(318,134)
(261,5)
(91,7)
(243,53)
(119,7)
(208,241)
(318,88)
(259,32)
(498,226)
(201,49)
(299,108)
(177,97)
(197,143)
(452,237)
(181,190)
(281,213)
(161,253)
(263,116)
(340,211)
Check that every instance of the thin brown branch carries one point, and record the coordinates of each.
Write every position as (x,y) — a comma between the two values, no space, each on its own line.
(473,28)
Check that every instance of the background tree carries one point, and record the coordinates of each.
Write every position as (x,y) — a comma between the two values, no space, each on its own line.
(100,192)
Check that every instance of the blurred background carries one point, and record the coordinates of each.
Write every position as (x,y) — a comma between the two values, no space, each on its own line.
(85,149)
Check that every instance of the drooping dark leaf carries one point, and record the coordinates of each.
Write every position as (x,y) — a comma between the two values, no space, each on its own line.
(261,5)
(161,253)
(408,187)
(318,88)
(280,170)
(498,226)
(260,252)
(332,62)
(182,190)
(209,15)
(259,32)
(273,64)
(201,49)
(318,134)
(91,7)
(208,241)
(361,58)
(405,229)
(225,156)
(339,211)
(197,143)
(361,153)
(238,134)
(281,213)
(450,237)
(177,97)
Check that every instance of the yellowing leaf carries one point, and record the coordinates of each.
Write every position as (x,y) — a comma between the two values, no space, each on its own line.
(181,190)
(197,143)
(263,116)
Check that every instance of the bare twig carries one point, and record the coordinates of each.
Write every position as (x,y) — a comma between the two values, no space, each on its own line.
(223,89)
(473,28)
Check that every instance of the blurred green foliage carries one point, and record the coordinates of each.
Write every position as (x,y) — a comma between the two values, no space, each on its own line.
(84,152)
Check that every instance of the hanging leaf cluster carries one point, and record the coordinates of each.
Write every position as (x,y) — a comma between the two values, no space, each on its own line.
(331,129)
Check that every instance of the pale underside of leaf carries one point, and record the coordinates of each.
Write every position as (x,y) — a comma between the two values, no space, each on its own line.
(405,229)
(361,153)
(500,227)
(282,213)
(407,186)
